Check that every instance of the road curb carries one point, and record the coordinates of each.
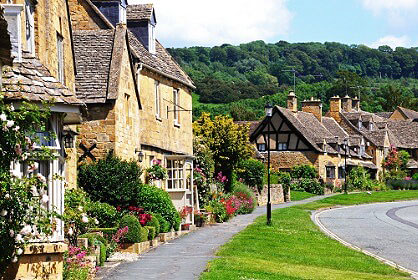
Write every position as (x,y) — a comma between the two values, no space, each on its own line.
(315,218)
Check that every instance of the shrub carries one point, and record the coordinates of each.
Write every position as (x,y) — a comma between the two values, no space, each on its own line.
(304,171)
(154,223)
(415,177)
(75,264)
(402,184)
(155,200)
(111,180)
(102,254)
(151,232)
(93,237)
(106,214)
(164,225)
(252,172)
(107,232)
(134,227)
(308,185)
(246,197)
(359,179)
(218,210)
(143,235)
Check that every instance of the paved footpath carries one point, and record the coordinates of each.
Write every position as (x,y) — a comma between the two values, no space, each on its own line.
(388,230)
(186,258)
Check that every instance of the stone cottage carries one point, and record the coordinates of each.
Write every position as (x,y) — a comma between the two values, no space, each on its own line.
(308,137)
(43,69)
(138,98)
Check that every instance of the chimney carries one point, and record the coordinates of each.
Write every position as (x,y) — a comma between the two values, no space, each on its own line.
(313,106)
(292,102)
(141,21)
(347,104)
(356,103)
(114,11)
(335,108)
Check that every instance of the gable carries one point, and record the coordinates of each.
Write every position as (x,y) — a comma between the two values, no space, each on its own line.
(281,132)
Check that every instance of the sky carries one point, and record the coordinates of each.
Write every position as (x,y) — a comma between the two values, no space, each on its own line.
(186,23)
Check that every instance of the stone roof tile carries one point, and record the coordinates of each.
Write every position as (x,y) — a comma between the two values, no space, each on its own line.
(139,12)
(20,83)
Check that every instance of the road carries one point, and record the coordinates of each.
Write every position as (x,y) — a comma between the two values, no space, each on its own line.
(186,258)
(388,230)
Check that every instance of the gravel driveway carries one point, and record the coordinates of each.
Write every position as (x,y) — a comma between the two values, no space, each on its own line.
(388,230)
(186,258)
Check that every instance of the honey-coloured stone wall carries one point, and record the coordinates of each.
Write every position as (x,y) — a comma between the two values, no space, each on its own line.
(83,16)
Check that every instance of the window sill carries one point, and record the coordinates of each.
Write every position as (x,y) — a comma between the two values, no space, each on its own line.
(177,190)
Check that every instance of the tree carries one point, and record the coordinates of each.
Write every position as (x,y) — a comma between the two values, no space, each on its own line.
(227,140)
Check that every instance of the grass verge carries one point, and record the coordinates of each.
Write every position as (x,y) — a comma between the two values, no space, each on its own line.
(294,248)
(297,195)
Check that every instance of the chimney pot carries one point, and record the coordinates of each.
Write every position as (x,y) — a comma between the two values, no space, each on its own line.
(292,102)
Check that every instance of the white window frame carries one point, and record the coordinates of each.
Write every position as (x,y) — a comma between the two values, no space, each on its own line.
(60,58)
(12,14)
(282,146)
(333,173)
(176,101)
(157,100)
(151,38)
(176,172)
(30,26)
(50,143)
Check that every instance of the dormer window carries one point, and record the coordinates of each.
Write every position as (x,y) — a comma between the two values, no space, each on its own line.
(371,126)
(12,15)
(360,124)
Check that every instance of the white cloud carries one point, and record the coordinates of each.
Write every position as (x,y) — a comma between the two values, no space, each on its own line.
(398,13)
(392,41)
(196,22)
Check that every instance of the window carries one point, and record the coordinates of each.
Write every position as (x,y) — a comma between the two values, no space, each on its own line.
(261,147)
(282,146)
(371,126)
(157,100)
(330,172)
(48,138)
(341,172)
(176,106)
(122,13)
(360,124)
(151,39)
(151,160)
(175,174)
(30,26)
(60,54)
(12,16)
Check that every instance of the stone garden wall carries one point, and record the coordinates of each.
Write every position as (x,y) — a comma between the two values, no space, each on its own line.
(277,195)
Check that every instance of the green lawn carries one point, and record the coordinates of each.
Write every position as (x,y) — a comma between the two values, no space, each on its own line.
(294,248)
(297,195)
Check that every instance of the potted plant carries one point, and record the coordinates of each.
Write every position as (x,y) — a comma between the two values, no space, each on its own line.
(183,215)
(199,218)
(157,171)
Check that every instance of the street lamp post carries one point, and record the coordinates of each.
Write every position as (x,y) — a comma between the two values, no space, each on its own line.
(269,113)
(345,165)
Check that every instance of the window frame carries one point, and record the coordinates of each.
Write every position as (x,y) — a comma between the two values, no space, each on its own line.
(157,100)
(30,26)
(327,173)
(60,58)
(282,146)
(176,101)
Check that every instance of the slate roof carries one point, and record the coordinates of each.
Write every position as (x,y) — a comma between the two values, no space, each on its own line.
(93,55)
(405,132)
(139,12)
(161,62)
(5,45)
(410,114)
(32,81)
(384,115)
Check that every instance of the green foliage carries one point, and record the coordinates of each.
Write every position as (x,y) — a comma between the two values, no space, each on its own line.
(75,215)
(79,273)
(246,196)
(93,237)
(103,254)
(134,234)
(304,171)
(415,177)
(106,214)
(359,179)
(111,180)
(308,185)
(284,179)
(228,142)
(154,222)
(144,233)
(155,200)
(151,232)
(218,210)
(252,172)
(164,225)
(402,184)
(157,171)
